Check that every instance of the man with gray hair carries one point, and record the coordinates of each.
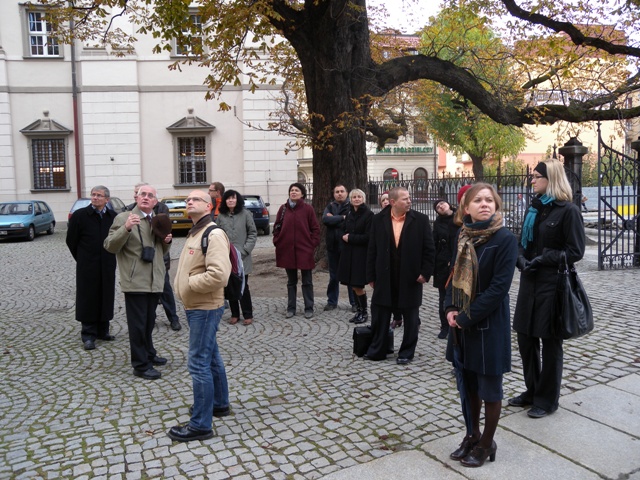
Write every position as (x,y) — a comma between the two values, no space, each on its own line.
(95,267)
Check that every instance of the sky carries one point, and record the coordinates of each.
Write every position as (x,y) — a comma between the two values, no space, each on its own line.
(408,16)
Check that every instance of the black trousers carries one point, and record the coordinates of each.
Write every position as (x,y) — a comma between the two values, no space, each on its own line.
(542,370)
(141,319)
(168,300)
(292,286)
(245,302)
(444,324)
(380,320)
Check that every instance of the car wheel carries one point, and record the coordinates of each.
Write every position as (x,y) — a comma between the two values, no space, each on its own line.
(266,230)
(32,233)
(52,229)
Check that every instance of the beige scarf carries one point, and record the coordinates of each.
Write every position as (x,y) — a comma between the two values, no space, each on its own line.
(465,270)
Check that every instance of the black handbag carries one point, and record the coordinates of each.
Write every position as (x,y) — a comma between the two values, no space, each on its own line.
(574,316)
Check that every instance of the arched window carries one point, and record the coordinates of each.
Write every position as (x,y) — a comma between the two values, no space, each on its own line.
(420,174)
(390,174)
(302,178)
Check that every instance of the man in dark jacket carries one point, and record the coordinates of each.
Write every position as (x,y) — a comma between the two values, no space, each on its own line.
(400,260)
(444,235)
(95,267)
(333,219)
(167,298)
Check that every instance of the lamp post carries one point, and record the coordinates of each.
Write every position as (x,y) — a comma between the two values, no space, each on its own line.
(572,153)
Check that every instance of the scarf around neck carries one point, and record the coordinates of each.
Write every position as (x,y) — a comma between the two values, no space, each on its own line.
(465,270)
(530,219)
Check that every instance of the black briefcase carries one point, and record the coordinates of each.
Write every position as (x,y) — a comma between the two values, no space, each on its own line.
(362,339)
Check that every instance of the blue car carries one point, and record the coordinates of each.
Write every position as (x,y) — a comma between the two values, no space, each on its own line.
(25,219)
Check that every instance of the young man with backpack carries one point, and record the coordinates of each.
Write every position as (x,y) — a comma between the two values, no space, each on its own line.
(200,282)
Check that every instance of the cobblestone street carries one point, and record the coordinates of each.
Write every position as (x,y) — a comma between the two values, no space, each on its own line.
(303,405)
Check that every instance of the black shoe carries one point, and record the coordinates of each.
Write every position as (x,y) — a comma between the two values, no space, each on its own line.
(159,360)
(443,334)
(186,433)
(218,412)
(403,361)
(89,345)
(518,401)
(175,325)
(361,318)
(468,444)
(328,307)
(479,455)
(537,412)
(367,357)
(149,374)
(107,338)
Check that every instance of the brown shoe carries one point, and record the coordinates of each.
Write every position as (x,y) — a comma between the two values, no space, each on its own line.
(233,320)
(247,321)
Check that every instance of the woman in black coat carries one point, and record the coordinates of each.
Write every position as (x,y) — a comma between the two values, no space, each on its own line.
(551,226)
(445,232)
(353,259)
(477,303)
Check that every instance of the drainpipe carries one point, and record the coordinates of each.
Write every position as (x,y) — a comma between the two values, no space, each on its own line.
(76,131)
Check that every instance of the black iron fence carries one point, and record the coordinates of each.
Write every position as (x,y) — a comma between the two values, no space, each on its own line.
(515,191)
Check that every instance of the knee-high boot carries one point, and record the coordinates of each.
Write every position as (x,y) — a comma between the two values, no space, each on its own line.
(362,315)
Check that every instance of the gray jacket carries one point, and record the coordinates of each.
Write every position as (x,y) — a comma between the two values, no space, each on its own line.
(242,233)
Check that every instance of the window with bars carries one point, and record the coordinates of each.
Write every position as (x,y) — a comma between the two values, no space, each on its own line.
(190,43)
(49,164)
(42,43)
(192,160)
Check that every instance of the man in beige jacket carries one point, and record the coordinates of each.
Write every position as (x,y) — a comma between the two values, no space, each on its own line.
(199,284)
(139,255)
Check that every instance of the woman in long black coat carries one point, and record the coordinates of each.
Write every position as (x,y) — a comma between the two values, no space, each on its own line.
(95,267)
(477,303)
(551,226)
(352,270)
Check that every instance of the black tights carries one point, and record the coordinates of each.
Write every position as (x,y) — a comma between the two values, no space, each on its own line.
(491,418)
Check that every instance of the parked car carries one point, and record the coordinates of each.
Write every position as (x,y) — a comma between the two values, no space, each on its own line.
(256,205)
(26,218)
(114,203)
(180,219)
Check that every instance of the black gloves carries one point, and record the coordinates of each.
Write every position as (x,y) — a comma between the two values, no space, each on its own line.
(522,263)
(533,265)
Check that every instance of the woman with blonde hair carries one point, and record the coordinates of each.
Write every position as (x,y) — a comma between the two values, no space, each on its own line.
(477,308)
(552,227)
(353,259)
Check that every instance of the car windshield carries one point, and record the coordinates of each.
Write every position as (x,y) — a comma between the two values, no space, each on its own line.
(175,203)
(15,208)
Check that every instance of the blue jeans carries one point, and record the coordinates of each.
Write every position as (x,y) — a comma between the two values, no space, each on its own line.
(209,377)
(333,289)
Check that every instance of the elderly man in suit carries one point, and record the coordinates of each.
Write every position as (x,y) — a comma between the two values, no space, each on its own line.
(95,267)
(400,261)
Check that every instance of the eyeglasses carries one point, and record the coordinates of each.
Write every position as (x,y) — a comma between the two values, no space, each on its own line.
(146,195)
(195,199)
(98,195)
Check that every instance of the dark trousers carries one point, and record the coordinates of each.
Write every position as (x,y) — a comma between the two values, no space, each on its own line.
(307,289)
(333,289)
(91,331)
(380,320)
(444,325)
(542,373)
(167,299)
(141,318)
(245,302)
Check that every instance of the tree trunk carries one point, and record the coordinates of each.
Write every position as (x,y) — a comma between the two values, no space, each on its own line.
(478,169)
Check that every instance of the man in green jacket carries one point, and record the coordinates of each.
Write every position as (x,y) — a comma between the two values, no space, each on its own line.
(139,254)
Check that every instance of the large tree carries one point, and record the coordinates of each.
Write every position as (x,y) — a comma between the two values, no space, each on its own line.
(341,80)
(460,36)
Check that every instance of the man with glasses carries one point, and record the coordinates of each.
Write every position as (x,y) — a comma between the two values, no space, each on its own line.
(95,267)
(216,190)
(139,253)
(200,282)
(167,299)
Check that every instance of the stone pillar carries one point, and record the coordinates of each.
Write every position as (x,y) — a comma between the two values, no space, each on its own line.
(572,153)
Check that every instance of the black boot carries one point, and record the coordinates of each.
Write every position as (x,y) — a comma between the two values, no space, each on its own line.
(362,316)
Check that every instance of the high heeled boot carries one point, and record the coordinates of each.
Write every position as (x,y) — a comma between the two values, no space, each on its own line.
(362,316)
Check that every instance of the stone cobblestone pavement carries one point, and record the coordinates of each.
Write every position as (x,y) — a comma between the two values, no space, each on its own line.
(303,406)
